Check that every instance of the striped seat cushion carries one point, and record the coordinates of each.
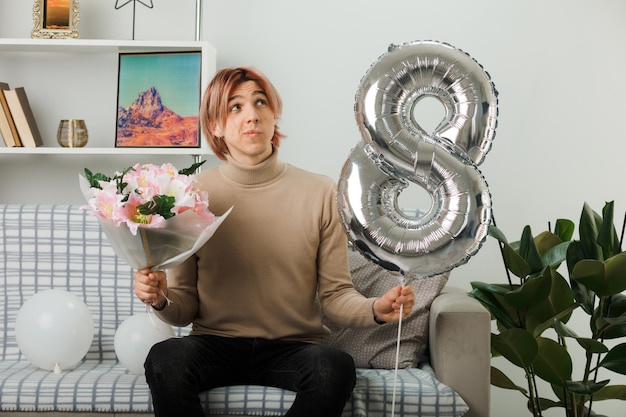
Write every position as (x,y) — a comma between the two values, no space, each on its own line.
(106,386)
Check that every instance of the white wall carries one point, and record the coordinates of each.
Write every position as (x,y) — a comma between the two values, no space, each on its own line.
(558,66)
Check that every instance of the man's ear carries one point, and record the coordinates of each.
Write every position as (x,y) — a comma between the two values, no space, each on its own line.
(216,130)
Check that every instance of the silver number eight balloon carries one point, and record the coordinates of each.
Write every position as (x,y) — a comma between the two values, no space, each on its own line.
(396,151)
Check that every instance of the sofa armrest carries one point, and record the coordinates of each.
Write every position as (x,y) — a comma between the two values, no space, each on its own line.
(460,347)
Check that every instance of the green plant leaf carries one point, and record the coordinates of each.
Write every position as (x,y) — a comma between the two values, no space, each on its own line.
(582,294)
(531,293)
(588,226)
(592,345)
(529,252)
(512,261)
(562,330)
(607,236)
(545,241)
(556,255)
(558,305)
(545,403)
(497,234)
(484,293)
(553,363)
(191,170)
(515,263)
(555,321)
(616,313)
(611,392)
(587,389)
(612,327)
(615,359)
(604,278)
(500,289)
(564,229)
(94,179)
(516,345)
(160,204)
(499,379)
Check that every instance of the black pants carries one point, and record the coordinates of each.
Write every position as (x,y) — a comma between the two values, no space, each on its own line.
(178,369)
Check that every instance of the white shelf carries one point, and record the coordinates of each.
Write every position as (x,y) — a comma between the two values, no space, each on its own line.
(98,46)
(45,52)
(48,150)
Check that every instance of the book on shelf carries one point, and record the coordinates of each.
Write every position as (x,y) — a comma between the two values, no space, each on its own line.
(8,130)
(23,117)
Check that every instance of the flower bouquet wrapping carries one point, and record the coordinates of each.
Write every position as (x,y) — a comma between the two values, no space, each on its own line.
(153,216)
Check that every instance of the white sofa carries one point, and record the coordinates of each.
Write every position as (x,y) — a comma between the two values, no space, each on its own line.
(62,247)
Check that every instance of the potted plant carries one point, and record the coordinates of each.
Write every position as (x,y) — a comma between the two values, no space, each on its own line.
(532,312)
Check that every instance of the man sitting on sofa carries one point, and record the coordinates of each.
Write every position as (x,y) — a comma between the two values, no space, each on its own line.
(256,291)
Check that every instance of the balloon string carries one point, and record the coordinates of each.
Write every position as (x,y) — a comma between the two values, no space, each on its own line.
(395,375)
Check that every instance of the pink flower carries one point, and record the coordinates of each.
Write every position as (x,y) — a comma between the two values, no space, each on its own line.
(106,202)
(146,195)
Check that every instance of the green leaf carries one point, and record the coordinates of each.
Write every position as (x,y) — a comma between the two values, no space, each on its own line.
(516,345)
(554,256)
(192,169)
(612,327)
(515,263)
(615,359)
(499,379)
(545,404)
(611,392)
(562,330)
(160,204)
(607,236)
(553,363)
(531,293)
(592,345)
(94,179)
(545,241)
(558,305)
(528,251)
(500,289)
(496,233)
(484,293)
(564,229)
(616,313)
(512,260)
(585,388)
(590,221)
(554,321)
(604,278)
(583,295)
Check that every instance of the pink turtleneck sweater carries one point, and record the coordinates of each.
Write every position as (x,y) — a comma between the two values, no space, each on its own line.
(278,260)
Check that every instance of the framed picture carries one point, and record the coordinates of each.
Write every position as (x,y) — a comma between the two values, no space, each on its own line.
(56,19)
(158,98)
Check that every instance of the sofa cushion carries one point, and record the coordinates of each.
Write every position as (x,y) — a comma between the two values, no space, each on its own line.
(105,386)
(375,347)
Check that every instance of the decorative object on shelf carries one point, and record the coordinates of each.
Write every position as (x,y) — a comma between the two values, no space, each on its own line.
(56,19)
(118,6)
(23,117)
(72,133)
(158,100)
(8,130)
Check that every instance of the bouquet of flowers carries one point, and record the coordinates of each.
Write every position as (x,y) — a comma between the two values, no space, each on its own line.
(152,215)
